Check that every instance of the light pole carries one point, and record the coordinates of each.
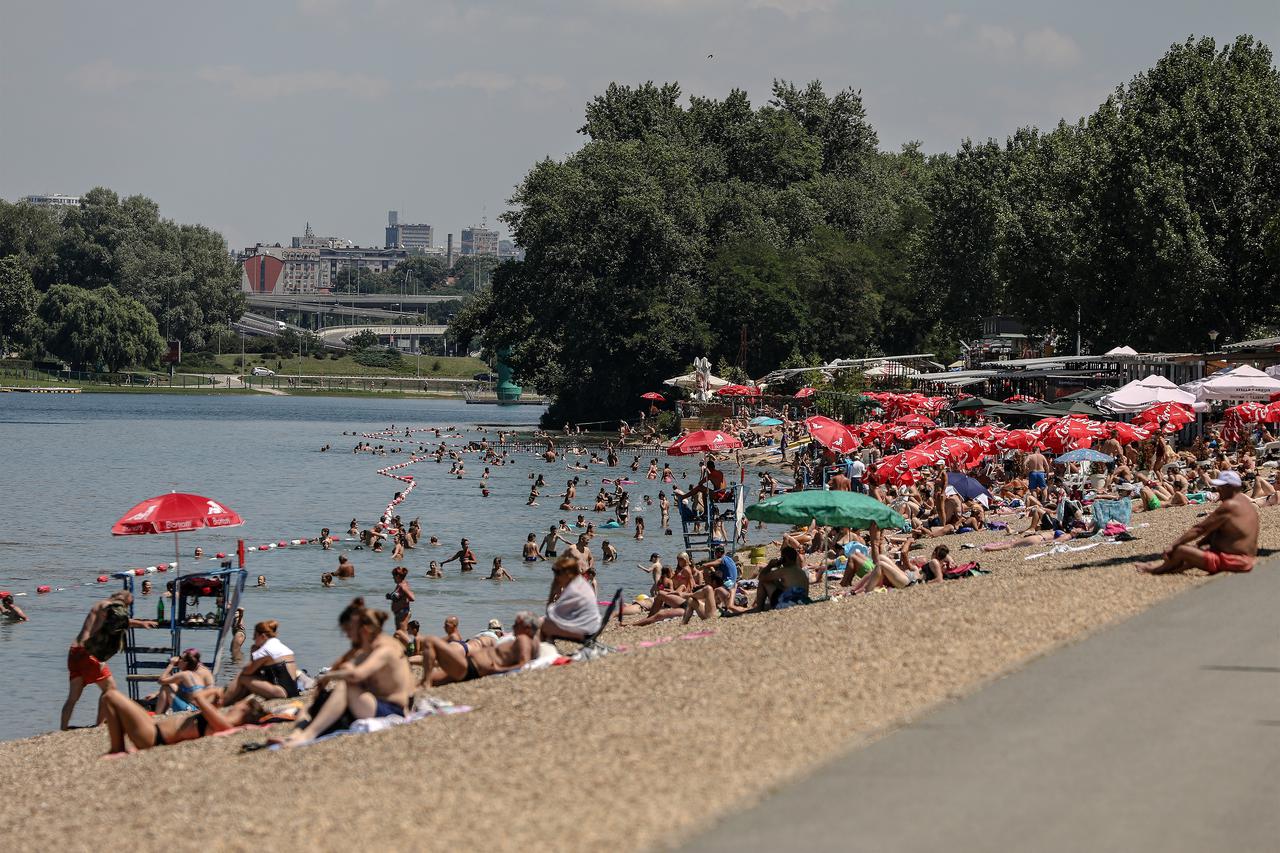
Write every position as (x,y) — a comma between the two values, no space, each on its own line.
(1213,337)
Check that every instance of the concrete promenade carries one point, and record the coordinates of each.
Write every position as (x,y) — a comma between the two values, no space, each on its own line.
(1158,734)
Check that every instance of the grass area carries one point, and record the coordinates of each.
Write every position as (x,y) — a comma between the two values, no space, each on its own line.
(432,366)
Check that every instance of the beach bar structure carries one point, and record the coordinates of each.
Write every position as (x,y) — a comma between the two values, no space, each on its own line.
(1054,377)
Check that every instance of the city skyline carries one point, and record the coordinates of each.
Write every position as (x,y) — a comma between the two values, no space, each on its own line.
(335,112)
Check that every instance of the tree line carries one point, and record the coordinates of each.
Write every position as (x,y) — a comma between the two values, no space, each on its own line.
(108,282)
(781,235)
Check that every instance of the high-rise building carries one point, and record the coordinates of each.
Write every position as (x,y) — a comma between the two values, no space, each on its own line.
(415,238)
(479,240)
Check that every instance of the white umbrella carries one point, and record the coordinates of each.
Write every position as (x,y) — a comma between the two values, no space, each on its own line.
(1240,383)
(1122,351)
(1141,394)
(690,381)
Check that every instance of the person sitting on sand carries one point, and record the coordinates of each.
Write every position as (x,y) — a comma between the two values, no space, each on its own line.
(181,680)
(271,671)
(9,611)
(446,662)
(1264,493)
(572,611)
(1225,541)
(130,727)
(372,680)
(783,582)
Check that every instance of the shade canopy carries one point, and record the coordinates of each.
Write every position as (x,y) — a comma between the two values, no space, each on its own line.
(833,509)
(176,512)
(1240,383)
(689,381)
(1142,394)
(832,435)
(703,441)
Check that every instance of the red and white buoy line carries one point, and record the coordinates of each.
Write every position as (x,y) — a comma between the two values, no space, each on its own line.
(408,479)
(160,568)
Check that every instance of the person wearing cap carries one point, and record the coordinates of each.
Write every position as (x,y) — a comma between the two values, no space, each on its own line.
(1226,540)
(10,611)
(101,636)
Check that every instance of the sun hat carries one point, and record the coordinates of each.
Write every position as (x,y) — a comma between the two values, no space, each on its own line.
(495,625)
(1227,478)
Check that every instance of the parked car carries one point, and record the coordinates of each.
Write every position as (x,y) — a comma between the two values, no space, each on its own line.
(263,371)
(485,377)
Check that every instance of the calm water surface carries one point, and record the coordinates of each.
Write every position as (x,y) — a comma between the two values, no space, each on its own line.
(72,464)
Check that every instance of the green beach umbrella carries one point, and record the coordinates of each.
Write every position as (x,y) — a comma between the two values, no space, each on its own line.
(833,509)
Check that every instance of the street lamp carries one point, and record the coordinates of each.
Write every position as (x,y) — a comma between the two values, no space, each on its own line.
(1213,337)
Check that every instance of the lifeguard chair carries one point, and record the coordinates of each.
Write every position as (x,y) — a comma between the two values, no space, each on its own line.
(220,589)
(699,529)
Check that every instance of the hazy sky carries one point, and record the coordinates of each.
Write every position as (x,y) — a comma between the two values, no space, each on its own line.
(255,117)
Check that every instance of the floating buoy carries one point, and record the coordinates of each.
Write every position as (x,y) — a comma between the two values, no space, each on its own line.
(282,544)
(41,590)
(102,578)
(220,555)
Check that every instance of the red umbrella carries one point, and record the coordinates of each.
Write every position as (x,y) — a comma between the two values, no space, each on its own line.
(1019,439)
(654,396)
(804,392)
(1071,433)
(915,421)
(738,391)
(1248,413)
(1175,415)
(832,435)
(703,441)
(1128,433)
(174,513)
(1273,412)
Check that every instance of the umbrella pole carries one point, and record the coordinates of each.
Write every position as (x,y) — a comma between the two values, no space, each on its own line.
(177,591)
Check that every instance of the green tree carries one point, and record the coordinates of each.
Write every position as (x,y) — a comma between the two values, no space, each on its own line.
(88,328)
(18,301)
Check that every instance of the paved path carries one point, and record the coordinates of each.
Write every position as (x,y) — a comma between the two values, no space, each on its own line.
(1160,734)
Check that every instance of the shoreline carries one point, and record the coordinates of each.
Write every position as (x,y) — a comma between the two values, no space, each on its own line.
(588,754)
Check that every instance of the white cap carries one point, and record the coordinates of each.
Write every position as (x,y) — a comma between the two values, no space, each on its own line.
(1227,478)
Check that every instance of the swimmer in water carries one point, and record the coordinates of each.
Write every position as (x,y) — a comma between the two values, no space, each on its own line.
(262,580)
(609,551)
(498,573)
(9,611)
(531,552)
(433,571)
(326,580)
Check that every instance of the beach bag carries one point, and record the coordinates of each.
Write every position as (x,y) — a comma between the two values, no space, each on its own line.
(966,570)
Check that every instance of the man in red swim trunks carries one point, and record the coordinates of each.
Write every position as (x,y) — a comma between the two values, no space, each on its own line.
(1225,541)
(101,636)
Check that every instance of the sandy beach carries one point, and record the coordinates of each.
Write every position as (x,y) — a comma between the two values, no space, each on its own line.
(634,751)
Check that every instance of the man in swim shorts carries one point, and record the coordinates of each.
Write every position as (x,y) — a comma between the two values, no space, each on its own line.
(1036,467)
(101,636)
(1224,541)
(445,662)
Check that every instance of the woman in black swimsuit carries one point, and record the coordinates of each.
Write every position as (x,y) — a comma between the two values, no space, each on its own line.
(127,719)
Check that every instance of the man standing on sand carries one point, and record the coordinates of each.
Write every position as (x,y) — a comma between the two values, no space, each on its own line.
(1225,541)
(1036,467)
(839,482)
(101,636)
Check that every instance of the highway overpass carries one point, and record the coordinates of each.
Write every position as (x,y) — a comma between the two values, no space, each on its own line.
(337,335)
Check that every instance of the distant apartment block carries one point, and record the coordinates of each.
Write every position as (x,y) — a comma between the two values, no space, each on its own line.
(308,269)
(52,200)
(478,240)
(509,250)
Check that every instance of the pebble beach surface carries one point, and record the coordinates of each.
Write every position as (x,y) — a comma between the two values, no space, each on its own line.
(634,751)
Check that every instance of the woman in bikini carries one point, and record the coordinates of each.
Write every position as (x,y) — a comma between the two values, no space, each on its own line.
(130,727)
(181,680)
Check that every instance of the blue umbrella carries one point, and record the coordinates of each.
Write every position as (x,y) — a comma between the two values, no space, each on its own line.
(763,421)
(966,486)
(1084,454)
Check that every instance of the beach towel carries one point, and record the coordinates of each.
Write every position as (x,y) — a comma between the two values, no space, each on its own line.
(1106,512)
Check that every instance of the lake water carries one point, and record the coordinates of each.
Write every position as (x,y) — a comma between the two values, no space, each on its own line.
(72,464)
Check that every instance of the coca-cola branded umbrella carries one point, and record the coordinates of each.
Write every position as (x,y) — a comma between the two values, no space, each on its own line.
(804,392)
(1129,433)
(1071,433)
(1170,416)
(654,396)
(703,441)
(832,435)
